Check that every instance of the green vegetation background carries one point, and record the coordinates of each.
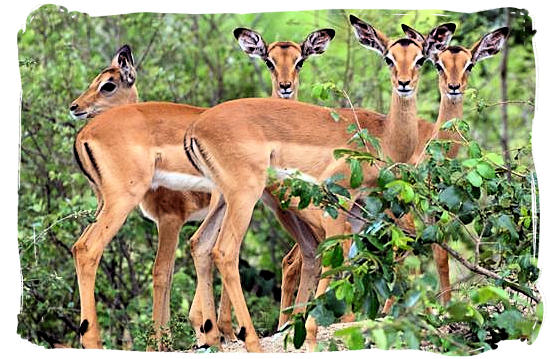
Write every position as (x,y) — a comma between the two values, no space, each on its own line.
(195,59)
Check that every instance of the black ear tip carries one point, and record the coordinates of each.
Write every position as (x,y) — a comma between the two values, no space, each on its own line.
(237,32)
(451,26)
(353,19)
(405,27)
(330,32)
(505,31)
(125,48)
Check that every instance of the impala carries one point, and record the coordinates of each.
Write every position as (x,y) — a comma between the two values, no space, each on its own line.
(142,165)
(285,136)
(454,65)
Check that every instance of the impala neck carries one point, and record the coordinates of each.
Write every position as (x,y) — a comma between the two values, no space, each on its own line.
(448,109)
(133,97)
(402,135)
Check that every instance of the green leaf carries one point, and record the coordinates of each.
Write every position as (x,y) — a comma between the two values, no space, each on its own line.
(299,332)
(356,173)
(407,193)
(380,339)
(352,337)
(451,197)
(333,212)
(496,158)
(429,233)
(411,339)
(335,116)
(470,162)
(373,205)
(323,316)
(504,221)
(337,257)
(474,179)
(474,151)
(382,288)
(488,294)
(485,170)
(371,304)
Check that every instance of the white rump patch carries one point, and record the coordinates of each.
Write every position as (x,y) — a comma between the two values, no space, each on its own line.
(282,173)
(181,182)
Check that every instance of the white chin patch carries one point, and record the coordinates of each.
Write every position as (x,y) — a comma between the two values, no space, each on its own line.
(176,181)
(405,94)
(79,116)
(285,95)
(454,97)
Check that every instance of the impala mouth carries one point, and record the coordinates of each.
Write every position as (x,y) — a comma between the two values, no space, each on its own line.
(285,93)
(79,115)
(454,95)
(405,92)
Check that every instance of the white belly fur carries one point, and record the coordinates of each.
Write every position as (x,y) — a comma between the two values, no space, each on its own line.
(181,182)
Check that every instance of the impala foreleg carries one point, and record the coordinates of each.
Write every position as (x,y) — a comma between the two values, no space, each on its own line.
(168,234)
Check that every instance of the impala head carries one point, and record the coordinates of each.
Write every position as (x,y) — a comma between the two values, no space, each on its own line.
(403,56)
(114,86)
(455,63)
(284,59)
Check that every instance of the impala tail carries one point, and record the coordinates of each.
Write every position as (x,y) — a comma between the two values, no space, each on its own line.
(195,154)
(86,161)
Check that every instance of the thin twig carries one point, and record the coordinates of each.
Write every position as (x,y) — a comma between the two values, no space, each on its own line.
(484,271)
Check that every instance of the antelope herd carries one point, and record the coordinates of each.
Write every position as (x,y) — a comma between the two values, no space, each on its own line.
(180,163)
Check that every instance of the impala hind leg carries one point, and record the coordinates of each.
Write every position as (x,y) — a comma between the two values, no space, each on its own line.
(169,227)
(226,257)
(291,265)
(441,258)
(87,253)
(203,311)
(332,227)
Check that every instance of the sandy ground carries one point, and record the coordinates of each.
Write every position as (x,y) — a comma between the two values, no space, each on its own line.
(275,343)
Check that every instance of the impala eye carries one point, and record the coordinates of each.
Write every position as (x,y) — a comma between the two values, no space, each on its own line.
(108,87)
(438,67)
(388,61)
(299,64)
(269,64)
(470,67)
(420,62)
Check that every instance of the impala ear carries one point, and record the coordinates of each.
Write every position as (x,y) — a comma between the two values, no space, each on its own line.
(438,39)
(317,42)
(490,44)
(251,42)
(125,61)
(368,36)
(413,34)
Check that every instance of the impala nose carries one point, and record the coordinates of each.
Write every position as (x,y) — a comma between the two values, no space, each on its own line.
(454,87)
(285,85)
(73,107)
(403,83)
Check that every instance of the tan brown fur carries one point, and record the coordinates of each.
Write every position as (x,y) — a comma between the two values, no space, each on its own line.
(288,135)
(126,145)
